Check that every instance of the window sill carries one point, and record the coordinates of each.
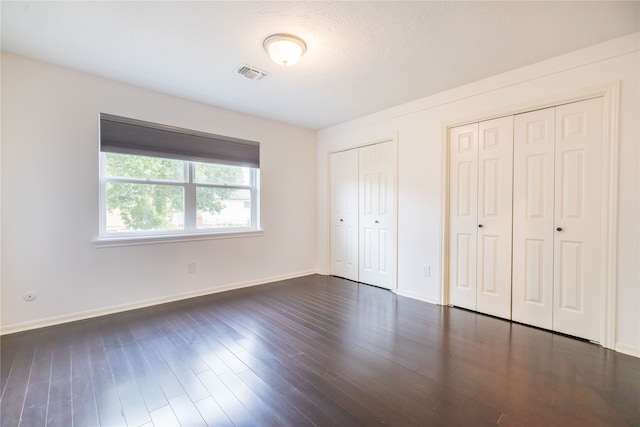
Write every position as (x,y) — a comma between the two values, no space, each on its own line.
(109,242)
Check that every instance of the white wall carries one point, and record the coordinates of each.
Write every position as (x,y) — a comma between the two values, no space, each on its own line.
(420,126)
(50,201)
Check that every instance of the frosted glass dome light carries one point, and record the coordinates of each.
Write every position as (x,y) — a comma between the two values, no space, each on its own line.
(285,49)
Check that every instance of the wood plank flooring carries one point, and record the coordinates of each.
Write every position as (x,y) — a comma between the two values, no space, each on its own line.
(309,351)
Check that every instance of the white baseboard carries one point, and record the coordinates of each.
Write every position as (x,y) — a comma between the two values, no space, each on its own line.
(627,349)
(73,317)
(417,296)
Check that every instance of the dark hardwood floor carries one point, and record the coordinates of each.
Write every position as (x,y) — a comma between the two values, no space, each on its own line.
(310,351)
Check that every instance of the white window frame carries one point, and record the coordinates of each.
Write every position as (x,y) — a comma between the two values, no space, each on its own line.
(190,231)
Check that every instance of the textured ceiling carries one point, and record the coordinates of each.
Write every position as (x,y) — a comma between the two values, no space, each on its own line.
(362,57)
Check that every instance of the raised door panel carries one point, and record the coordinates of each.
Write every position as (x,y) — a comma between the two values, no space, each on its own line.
(578,200)
(367,177)
(463,217)
(533,218)
(494,215)
(344,214)
(377,219)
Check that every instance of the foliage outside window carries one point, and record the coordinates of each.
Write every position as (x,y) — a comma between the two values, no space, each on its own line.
(153,195)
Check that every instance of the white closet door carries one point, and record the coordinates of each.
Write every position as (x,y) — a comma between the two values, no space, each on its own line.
(533,218)
(578,214)
(557,216)
(463,215)
(377,214)
(344,214)
(495,177)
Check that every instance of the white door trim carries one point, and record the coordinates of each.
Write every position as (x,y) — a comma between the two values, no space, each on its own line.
(610,161)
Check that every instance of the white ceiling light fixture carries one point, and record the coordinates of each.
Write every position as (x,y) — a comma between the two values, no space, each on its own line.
(284,49)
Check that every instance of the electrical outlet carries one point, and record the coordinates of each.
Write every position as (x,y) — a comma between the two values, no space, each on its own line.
(427,270)
(30,296)
(191,267)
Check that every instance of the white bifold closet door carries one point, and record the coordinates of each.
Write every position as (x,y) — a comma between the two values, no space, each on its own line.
(480,182)
(344,214)
(557,250)
(533,180)
(377,214)
(363,200)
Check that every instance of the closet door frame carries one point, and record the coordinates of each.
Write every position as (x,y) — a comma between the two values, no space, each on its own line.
(364,143)
(610,166)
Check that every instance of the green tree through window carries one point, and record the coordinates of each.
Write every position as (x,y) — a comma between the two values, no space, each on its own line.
(147,192)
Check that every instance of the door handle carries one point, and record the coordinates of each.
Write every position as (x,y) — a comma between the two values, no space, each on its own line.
(377,222)
(341,219)
(479,225)
(559,228)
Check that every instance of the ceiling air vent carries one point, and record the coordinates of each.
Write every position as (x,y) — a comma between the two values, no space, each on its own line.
(251,73)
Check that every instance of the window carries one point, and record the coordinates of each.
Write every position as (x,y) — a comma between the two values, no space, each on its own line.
(158,180)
